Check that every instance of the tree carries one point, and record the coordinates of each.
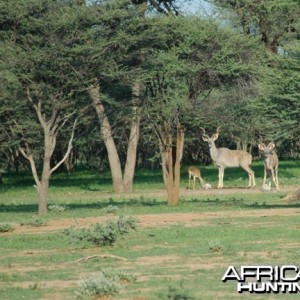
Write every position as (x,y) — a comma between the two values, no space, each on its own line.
(274,113)
(273,21)
(125,46)
(38,83)
(191,57)
(105,57)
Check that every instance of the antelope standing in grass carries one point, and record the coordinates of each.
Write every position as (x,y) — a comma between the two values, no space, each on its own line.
(270,163)
(224,157)
(194,173)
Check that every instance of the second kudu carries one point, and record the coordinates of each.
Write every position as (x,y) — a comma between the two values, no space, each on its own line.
(224,157)
(270,163)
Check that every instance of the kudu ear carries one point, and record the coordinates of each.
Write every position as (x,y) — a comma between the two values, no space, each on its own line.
(261,147)
(271,146)
(215,136)
(205,137)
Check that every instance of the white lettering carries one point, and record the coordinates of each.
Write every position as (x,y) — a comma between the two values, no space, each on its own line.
(248,271)
(231,274)
(244,287)
(265,271)
(285,269)
(265,279)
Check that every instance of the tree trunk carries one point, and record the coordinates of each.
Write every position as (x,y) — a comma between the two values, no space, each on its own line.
(113,156)
(50,129)
(120,183)
(133,140)
(43,192)
(179,153)
(171,159)
(43,186)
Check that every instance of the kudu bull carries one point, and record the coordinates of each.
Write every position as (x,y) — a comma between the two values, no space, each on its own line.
(270,163)
(224,157)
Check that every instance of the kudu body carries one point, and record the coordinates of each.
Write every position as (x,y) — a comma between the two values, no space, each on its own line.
(224,157)
(270,163)
(194,173)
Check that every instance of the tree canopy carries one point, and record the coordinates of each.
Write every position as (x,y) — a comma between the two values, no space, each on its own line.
(134,71)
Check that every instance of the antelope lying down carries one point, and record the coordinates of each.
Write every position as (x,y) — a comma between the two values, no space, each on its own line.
(270,163)
(224,157)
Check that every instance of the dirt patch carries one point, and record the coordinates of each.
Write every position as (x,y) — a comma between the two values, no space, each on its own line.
(158,220)
(169,219)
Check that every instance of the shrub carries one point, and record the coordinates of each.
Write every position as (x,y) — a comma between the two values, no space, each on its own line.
(103,234)
(98,286)
(110,209)
(6,227)
(106,283)
(125,224)
(56,208)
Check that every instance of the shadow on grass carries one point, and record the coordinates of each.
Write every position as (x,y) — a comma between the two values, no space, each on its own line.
(134,202)
(141,202)
(86,180)
(234,202)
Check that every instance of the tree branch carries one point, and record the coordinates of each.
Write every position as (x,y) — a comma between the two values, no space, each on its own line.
(32,164)
(38,109)
(68,150)
(100,256)
(159,9)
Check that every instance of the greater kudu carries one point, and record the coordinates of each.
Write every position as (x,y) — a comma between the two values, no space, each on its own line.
(224,157)
(270,163)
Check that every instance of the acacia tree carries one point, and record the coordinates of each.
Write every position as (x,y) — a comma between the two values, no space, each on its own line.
(274,113)
(114,90)
(34,63)
(194,56)
(117,46)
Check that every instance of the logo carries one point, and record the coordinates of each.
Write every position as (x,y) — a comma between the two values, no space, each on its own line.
(264,279)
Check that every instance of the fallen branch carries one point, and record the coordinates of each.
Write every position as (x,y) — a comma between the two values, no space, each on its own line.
(100,256)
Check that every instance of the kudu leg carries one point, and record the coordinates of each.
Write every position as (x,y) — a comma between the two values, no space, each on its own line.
(274,178)
(194,182)
(265,176)
(221,177)
(251,176)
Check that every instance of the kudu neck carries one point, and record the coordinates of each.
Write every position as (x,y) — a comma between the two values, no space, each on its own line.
(213,151)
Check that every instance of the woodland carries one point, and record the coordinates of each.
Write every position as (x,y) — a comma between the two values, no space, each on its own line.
(125,84)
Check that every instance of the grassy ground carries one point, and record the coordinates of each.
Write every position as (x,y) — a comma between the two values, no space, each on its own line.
(179,251)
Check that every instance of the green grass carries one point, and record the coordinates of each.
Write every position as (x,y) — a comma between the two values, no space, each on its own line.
(188,258)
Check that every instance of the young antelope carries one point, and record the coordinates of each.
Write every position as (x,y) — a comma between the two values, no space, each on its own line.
(194,173)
